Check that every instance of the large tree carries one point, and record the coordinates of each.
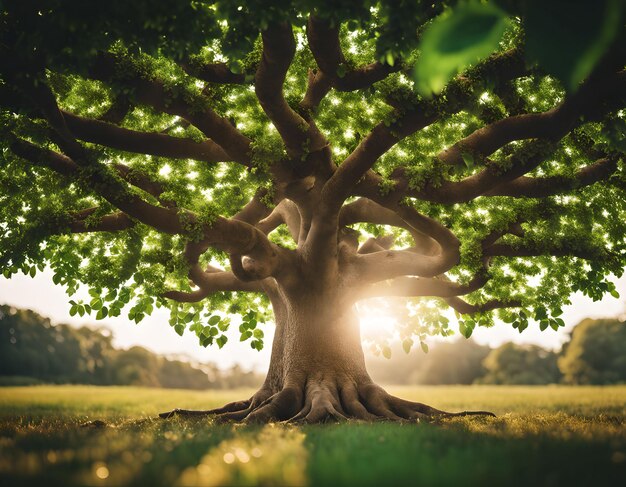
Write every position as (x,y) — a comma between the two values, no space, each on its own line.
(224,157)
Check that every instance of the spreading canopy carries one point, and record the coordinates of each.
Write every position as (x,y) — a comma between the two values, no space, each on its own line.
(189,154)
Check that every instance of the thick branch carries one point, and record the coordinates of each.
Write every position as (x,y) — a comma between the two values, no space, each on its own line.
(518,164)
(278,50)
(113,222)
(383,136)
(286,212)
(153,92)
(595,97)
(324,43)
(416,287)
(152,143)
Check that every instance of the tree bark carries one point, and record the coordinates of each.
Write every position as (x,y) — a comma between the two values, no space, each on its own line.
(317,369)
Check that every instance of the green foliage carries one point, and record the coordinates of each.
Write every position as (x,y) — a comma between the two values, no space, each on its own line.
(129,271)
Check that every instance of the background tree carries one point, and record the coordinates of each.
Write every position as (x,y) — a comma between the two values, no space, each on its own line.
(216,156)
(520,364)
(456,362)
(596,353)
(32,350)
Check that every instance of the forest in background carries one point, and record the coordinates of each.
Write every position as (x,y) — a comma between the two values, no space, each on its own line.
(33,351)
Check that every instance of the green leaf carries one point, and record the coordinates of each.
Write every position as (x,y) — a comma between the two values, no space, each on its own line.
(614,293)
(569,48)
(468,159)
(245,335)
(386,351)
(258,333)
(223,325)
(180,329)
(407,344)
(221,340)
(213,331)
(102,313)
(541,313)
(459,37)
(543,324)
(73,310)
(424,346)
(96,303)
(214,320)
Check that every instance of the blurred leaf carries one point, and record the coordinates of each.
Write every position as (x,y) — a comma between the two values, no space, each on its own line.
(407,343)
(567,38)
(466,34)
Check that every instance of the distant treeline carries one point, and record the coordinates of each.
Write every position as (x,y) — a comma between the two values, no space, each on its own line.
(34,351)
(594,354)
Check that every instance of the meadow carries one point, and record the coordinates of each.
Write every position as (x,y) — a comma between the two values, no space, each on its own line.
(550,436)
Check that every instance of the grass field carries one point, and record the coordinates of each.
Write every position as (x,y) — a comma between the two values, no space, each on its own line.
(542,436)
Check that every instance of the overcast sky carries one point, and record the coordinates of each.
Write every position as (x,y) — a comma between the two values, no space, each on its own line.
(154,332)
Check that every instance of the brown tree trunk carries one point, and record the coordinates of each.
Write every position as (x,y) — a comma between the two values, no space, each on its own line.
(317,370)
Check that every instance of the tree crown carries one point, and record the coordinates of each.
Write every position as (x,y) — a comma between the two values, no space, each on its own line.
(192,154)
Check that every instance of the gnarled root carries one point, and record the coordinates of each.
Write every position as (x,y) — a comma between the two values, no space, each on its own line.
(320,400)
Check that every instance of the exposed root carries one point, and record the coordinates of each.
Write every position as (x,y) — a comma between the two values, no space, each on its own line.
(323,400)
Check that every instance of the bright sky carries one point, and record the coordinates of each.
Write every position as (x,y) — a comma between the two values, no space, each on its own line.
(154,332)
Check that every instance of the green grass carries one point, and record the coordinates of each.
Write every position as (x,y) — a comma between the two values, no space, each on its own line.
(542,436)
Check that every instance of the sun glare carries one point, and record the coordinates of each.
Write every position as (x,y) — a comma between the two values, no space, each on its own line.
(376,320)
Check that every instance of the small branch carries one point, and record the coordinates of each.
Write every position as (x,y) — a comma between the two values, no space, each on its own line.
(213,72)
(527,187)
(556,248)
(464,307)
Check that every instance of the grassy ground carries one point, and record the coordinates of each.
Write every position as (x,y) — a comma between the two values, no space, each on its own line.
(542,436)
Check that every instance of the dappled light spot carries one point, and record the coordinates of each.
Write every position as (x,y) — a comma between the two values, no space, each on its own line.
(274,456)
(101,471)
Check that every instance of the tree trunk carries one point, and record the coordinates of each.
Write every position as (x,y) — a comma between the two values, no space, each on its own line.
(317,370)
